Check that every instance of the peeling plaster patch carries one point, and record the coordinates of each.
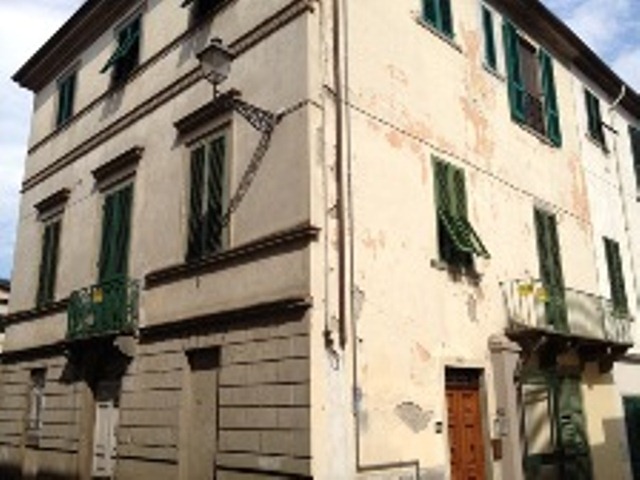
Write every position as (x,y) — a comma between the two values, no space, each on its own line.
(413,416)
(423,353)
(395,139)
(579,199)
(484,145)
(398,75)
(374,243)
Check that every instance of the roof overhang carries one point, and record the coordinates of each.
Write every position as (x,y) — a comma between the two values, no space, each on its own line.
(90,21)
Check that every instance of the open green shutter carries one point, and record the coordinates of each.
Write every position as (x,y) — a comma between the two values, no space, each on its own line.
(550,99)
(195,247)
(127,39)
(490,57)
(514,74)
(457,192)
(441,186)
(594,120)
(616,276)
(215,195)
(53,259)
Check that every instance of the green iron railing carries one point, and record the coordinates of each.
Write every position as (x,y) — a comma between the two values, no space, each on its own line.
(109,307)
(530,305)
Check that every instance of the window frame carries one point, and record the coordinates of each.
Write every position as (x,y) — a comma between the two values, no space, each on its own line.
(197,245)
(110,195)
(65,108)
(634,140)
(513,39)
(595,125)
(120,63)
(615,274)
(490,57)
(437,21)
(50,234)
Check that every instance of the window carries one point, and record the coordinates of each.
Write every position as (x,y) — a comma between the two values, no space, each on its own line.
(201,8)
(551,268)
(616,277)
(36,404)
(207,198)
(634,136)
(127,55)
(48,262)
(594,119)
(490,56)
(437,13)
(532,91)
(457,240)
(116,232)
(66,93)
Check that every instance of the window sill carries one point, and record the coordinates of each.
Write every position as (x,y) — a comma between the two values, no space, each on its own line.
(445,38)
(543,138)
(597,143)
(457,273)
(493,72)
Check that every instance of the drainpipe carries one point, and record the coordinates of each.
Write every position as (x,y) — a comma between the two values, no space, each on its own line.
(625,210)
(344,203)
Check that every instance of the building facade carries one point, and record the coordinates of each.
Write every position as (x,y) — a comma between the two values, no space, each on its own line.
(397,242)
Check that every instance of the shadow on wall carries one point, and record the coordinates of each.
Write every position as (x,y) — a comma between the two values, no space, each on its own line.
(14,472)
(613,451)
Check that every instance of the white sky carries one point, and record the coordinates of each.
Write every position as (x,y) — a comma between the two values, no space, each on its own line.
(610,27)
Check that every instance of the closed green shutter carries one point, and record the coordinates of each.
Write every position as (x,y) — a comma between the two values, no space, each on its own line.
(66,93)
(116,226)
(438,13)
(616,276)
(550,99)
(195,248)
(490,57)
(634,136)
(48,263)
(551,268)
(215,196)
(514,73)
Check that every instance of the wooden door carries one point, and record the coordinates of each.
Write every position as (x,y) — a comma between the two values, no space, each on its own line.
(467,455)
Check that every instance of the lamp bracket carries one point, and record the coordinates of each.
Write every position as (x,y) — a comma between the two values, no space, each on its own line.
(260,119)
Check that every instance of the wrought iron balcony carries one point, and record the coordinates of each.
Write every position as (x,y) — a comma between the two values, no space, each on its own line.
(107,308)
(530,306)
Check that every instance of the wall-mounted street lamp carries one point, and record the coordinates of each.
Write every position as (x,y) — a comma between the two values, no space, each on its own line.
(215,62)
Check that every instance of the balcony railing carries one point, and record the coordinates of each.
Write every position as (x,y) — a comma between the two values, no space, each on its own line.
(530,306)
(110,307)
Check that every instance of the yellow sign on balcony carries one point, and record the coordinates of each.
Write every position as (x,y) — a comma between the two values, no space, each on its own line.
(97,295)
(525,289)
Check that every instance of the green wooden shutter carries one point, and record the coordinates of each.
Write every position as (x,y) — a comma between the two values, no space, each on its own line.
(572,429)
(215,196)
(123,231)
(490,57)
(195,247)
(48,263)
(550,99)
(429,12)
(634,136)
(514,73)
(116,226)
(551,268)
(441,186)
(446,18)
(616,276)
(66,93)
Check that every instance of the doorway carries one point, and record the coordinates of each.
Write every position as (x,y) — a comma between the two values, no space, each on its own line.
(464,414)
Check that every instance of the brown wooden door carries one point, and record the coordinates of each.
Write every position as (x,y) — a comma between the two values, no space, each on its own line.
(465,425)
